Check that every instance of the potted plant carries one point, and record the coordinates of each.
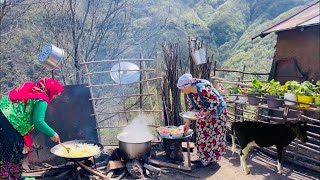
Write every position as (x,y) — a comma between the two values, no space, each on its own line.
(255,90)
(233,92)
(290,88)
(243,98)
(317,95)
(305,94)
(273,93)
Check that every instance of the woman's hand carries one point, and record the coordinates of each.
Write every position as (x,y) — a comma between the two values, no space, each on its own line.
(186,126)
(55,138)
(203,114)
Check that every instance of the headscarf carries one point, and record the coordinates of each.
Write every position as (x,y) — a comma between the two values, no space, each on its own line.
(45,89)
(185,81)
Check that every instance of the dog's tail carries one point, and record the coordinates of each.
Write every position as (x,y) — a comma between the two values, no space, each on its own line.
(233,139)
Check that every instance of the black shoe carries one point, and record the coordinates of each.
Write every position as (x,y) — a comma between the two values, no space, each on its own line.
(195,161)
(207,164)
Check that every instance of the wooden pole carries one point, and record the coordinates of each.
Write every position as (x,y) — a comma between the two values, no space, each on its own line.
(243,71)
(93,171)
(222,80)
(214,68)
(52,74)
(141,84)
(93,101)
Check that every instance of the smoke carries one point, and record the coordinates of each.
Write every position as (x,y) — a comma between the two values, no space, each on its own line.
(137,130)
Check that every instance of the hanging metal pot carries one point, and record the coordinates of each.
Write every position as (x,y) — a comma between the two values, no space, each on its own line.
(50,56)
(199,56)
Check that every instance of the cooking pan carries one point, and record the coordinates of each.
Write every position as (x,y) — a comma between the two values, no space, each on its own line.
(54,148)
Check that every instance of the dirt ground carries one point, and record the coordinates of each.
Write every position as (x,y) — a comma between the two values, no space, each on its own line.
(261,167)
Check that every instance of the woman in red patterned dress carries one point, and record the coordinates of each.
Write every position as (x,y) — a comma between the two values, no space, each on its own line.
(211,125)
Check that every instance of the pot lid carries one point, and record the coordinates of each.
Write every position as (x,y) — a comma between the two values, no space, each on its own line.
(124,73)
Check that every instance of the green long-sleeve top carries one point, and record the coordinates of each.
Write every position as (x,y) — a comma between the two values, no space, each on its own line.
(39,113)
(24,117)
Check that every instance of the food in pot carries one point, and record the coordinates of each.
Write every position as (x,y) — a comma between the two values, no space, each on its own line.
(171,131)
(175,131)
(78,150)
(163,130)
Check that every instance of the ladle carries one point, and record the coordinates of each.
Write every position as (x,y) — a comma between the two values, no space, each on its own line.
(68,149)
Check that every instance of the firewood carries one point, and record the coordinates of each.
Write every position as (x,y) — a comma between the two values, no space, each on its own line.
(165,164)
(92,170)
(114,165)
(134,167)
(33,174)
(191,175)
(109,175)
(152,168)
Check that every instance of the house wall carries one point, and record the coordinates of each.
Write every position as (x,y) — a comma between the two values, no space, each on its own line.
(302,45)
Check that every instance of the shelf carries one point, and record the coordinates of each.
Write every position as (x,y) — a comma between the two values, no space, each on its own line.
(265,106)
(312,109)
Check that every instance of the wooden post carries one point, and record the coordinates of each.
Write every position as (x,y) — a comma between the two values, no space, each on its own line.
(243,72)
(214,68)
(146,76)
(123,99)
(92,101)
(141,85)
(159,91)
(52,74)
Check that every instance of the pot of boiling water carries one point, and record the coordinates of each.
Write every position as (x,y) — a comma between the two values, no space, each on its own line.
(135,147)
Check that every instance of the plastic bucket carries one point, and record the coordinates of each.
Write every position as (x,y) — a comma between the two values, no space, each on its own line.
(304,99)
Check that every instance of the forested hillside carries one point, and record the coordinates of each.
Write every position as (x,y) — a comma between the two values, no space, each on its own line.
(93,30)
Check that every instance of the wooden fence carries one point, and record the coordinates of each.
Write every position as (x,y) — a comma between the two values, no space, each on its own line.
(303,154)
(114,104)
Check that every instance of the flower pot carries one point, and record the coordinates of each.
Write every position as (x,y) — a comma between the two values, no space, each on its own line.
(291,97)
(243,99)
(317,102)
(253,100)
(273,102)
(232,98)
(304,99)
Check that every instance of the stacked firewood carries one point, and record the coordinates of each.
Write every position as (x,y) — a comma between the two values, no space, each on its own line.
(171,94)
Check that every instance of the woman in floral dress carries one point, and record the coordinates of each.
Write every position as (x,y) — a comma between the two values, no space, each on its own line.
(211,125)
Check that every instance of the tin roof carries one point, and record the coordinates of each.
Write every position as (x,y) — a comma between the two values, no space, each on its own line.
(308,15)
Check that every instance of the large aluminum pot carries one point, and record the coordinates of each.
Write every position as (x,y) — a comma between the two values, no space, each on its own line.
(135,149)
(50,56)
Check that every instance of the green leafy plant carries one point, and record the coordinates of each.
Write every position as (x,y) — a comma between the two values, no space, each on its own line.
(291,87)
(257,87)
(306,89)
(317,90)
(234,90)
(273,88)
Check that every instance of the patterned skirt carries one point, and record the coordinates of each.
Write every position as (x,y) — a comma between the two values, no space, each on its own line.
(211,138)
(11,146)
